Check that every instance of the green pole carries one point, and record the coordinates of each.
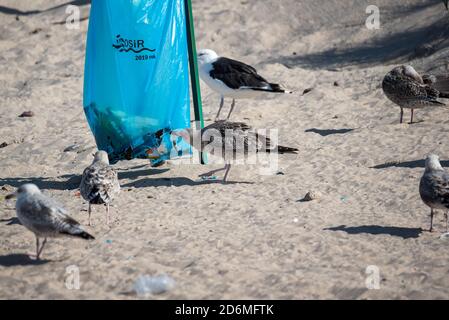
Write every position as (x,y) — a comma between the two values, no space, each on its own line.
(194,78)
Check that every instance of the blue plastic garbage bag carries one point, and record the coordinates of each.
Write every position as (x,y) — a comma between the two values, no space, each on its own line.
(136,86)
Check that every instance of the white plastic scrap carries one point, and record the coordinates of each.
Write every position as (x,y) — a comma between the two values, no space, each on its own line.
(145,285)
(445,236)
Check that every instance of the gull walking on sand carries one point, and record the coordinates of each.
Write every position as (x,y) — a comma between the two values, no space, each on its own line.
(233,79)
(99,184)
(44,217)
(434,188)
(231,141)
(409,90)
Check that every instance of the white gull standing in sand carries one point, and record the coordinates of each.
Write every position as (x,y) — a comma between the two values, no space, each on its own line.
(434,188)
(406,88)
(99,184)
(231,141)
(233,79)
(44,217)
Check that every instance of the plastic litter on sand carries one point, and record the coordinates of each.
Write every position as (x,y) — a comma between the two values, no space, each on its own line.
(145,285)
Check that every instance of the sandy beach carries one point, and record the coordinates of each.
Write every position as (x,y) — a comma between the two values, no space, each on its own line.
(252,238)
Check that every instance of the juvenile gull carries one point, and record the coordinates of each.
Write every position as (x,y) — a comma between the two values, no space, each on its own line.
(409,90)
(44,217)
(434,188)
(99,184)
(231,141)
(233,79)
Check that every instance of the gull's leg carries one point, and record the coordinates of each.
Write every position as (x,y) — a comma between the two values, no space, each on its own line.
(37,248)
(411,117)
(41,249)
(108,221)
(90,212)
(207,174)
(228,167)
(402,115)
(445,215)
(219,109)
(232,109)
(431,220)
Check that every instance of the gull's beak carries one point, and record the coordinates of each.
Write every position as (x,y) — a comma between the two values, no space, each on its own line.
(11,196)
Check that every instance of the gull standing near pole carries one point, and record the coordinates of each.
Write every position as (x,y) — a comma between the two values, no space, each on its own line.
(230,141)
(233,79)
(44,217)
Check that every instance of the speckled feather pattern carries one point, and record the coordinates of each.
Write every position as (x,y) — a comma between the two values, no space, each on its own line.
(434,189)
(236,139)
(410,92)
(99,183)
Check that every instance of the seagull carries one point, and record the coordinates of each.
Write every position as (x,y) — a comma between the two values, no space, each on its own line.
(406,88)
(231,78)
(434,188)
(44,217)
(99,184)
(229,140)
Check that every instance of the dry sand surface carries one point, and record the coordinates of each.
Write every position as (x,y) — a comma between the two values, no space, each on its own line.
(238,240)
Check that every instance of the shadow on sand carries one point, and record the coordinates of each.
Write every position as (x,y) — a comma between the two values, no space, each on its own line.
(328,132)
(13,260)
(68,182)
(407,164)
(11,221)
(405,233)
(72,181)
(176,182)
(135,174)
(403,46)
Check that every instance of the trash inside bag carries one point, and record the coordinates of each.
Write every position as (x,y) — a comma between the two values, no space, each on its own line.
(136,86)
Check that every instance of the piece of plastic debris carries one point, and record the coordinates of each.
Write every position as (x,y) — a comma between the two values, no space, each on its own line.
(312,195)
(295,220)
(344,198)
(36,31)
(27,114)
(145,285)
(3,145)
(73,147)
(205,178)
(306,91)
(108,241)
(445,236)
